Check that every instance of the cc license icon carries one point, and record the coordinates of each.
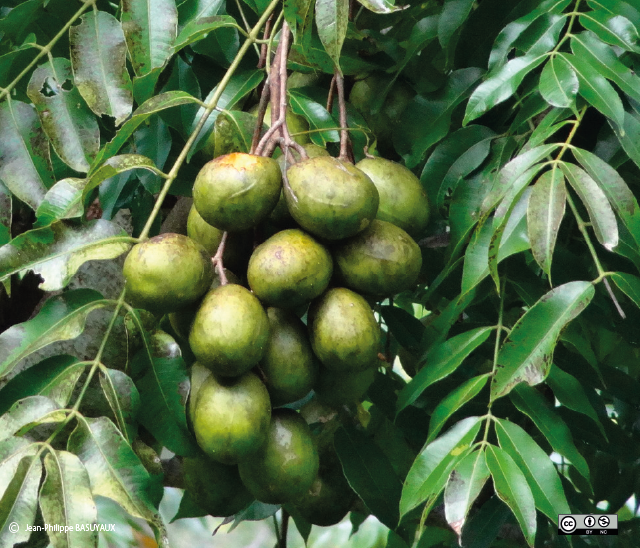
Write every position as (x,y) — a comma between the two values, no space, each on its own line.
(568,524)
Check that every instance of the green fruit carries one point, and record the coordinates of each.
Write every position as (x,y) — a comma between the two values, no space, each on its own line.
(182,320)
(381,261)
(230,331)
(336,388)
(237,249)
(237,191)
(297,125)
(199,374)
(215,487)
(166,273)
(403,200)
(302,79)
(328,500)
(344,332)
(289,269)
(231,417)
(286,465)
(289,364)
(330,198)
(280,215)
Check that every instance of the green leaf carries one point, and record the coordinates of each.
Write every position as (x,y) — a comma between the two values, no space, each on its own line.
(198,29)
(299,16)
(369,473)
(66,500)
(593,197)
(19,502)
(464,486)
(616,190)
(6,214)
(533,404)
(123,398)
(543,35)
(379,6)
(442,360)
(596,90)
(332,17)
(431,469)
(527,353)
(545,213)
(61,318)
(58,250)
(152,106)
(62,201)
(481,249)
(54,378)
(150,29)
(559,83)
(588,48)
(99,60)
(70,126)
(234,132)
(499,86)
(241,84)
(24,413)
(552,122)
(114,469)
(629,136)
(317,116)
(509,34)
(511,486)
(454,401)
(427,118)
(570,393)
(25,166)
(454,13)
(629,285)
(616,30)
(153,140)
(163,387)
(403,326)
(537,467)
(484,526)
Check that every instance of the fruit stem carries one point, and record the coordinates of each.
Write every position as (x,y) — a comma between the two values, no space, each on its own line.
(265,45)
(342,106)
(217,260)
(262,109)
(332,89)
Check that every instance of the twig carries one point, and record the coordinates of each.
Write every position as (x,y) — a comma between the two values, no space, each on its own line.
(344,134)
(217,259)
(332,89)
(262,109)
(265,46)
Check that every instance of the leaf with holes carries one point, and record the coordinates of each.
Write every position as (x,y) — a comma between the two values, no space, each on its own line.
(593,197)
(150,29)
(99,59)
(66,500)
(58,250)
(512,487)
(545,213)
(464,485)
(559,83)
(25,165)
(61,318)
(114,469)
(70,126)
(431,469)
(527,353)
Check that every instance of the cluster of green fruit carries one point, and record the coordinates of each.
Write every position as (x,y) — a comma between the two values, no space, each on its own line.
(343,240)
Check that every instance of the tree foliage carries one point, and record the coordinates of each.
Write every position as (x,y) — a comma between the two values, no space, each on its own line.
(519,396)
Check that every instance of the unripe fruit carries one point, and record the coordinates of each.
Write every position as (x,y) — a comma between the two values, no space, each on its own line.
(403,200)
(286,465)
(289,364)
(289,269)
(237,191)
(166,273)
(344,332)
(328,499)
(382,260)
(330,198)
(199,374)
(231,417)
(230,331)
(215,487)
(336,388)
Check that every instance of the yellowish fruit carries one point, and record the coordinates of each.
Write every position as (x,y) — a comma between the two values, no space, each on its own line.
(237,191)
(166,273)
(231,418)
(230,331)
(403,200)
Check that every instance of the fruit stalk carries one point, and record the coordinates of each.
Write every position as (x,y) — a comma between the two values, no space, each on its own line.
(344,134)
(217,259)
